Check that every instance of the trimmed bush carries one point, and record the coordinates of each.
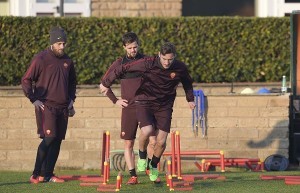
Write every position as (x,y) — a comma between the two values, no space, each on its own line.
(216,49)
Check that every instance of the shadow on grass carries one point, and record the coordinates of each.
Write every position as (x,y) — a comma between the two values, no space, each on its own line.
(13,183)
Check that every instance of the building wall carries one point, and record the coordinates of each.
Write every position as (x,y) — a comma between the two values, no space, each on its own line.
(248,126)
(136,8)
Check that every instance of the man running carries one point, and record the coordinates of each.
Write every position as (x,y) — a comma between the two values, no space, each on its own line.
(155,97)
(130,82)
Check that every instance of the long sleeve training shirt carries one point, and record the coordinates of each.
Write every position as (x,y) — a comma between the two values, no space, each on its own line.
(50,79)
(159,84)
(130,81)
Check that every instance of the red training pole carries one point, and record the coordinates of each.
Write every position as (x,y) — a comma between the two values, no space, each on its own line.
(103,152)
(107,145)
(105,173)
(177,137)
(173,173)
(222,161)
(170,183)
(118,183)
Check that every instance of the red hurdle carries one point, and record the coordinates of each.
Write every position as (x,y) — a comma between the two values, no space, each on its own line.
(175,179)
(176,153)
(104,187)
(289,180)
(271,177)
(252,164)
(100,180)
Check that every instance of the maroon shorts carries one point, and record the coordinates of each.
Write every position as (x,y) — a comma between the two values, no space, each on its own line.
(52,122)
(129,124)
(153,114)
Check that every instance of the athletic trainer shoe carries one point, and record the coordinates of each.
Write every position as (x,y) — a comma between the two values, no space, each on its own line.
(153,174)
(132,180)
(147,172)
(141,165)
(55,179)
(157,181)
(41,178)
(34,179)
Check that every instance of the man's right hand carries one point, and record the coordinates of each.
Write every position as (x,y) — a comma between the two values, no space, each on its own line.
(103,89)
(122,103)
(38,104)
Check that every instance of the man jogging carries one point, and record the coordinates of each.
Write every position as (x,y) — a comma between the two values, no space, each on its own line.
(155,97)
(130,82)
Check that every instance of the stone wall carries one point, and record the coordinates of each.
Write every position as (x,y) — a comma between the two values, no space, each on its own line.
(251,126)
(136,8)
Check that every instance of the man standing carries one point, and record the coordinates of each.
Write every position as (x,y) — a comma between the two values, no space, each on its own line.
(50,84)
(130,82)
(155,97)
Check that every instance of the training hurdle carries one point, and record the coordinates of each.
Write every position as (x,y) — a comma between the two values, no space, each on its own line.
(176,153)
(174,170)
(173,184)
(289,180)
(105,166)
(104,187)
(100,180)
(251,164)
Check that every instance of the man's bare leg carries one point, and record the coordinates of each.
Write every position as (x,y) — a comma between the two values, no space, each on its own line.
(143,140)
(159,149)
(128,152)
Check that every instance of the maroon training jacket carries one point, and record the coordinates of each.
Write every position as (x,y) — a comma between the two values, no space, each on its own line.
(159,84)
(54,80)
(130,82)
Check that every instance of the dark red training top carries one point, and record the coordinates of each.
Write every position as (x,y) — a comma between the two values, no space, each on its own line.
(130,81)
(159,84)
(50,79)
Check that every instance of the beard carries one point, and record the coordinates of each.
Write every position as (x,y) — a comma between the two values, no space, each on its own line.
(58,52)
(132,55)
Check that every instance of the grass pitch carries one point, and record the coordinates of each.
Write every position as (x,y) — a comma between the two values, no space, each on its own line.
(236,182)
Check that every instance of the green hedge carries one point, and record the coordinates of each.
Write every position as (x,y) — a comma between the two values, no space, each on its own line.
(216,49)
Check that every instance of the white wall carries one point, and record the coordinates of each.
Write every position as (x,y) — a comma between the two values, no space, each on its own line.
(274,8)
(31,7)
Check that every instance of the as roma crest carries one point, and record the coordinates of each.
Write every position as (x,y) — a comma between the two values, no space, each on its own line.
(65,65)
(172,75)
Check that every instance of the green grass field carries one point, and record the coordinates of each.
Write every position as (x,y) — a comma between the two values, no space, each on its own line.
(236,182)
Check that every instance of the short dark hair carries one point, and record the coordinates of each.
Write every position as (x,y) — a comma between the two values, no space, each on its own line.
(129,38)
(168,48)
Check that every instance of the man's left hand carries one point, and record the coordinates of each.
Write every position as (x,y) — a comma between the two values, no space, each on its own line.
(192,105)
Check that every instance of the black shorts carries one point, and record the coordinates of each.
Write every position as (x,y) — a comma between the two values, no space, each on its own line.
(153,114)
(52,122)
(129,124)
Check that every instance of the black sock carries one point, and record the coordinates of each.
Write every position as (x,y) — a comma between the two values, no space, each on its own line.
(148,163)
(143,154)
(52,157)
(132,172)
(155,160)
(42,154)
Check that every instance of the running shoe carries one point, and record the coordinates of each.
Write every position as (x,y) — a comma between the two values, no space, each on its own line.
(153,175)
(141,165)
(41,178)
(132,180)
(55,179)
(157,181)
(147,172)
(34,179)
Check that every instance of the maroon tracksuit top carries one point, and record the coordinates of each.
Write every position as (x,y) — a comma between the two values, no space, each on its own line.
(159,84)
(130,81)
(54,78)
